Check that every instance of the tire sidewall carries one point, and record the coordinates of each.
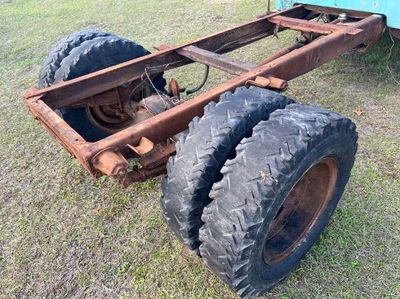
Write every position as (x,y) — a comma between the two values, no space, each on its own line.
(338,146)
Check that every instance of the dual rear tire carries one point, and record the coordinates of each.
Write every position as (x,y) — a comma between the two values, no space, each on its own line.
(201,153)
(82,53)
(254,182)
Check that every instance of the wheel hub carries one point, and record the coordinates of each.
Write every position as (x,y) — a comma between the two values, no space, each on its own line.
(109,118)
(300,210)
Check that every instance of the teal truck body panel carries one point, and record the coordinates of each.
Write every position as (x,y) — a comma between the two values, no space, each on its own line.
(389,8)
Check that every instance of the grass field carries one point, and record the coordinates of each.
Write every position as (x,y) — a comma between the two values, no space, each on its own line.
(63,234)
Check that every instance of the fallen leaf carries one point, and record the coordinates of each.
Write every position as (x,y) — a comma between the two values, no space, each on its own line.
(359,112)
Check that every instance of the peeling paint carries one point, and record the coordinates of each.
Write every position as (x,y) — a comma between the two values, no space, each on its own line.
(388,8)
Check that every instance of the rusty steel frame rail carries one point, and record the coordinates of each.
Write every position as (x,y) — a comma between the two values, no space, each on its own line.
(74,90)
(339,39)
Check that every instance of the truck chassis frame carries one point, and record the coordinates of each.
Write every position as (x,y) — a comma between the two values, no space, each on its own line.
(110,155)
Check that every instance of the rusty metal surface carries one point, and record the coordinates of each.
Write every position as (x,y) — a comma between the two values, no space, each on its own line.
(57,127)
(110,162)
(162,47)
(174,89)
(158,157)
(305,59)
(309,26)
(224,63)
(110,97)
(160,127)
(144,147)
(337,11)
(70,92)
(141,175)
(268,82)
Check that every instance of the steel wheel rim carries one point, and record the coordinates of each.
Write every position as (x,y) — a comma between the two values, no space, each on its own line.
(300,210)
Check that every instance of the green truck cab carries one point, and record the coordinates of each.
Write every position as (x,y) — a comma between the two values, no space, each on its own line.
(389,8)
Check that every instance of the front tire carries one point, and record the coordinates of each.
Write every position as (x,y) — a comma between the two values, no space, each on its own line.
(276,196)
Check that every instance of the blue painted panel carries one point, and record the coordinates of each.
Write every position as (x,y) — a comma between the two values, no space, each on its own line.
(389,8)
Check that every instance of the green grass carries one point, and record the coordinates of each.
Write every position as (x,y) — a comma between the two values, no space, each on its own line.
(63,234)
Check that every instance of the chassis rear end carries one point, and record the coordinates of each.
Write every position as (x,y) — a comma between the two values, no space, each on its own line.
(251,184)
(109,156)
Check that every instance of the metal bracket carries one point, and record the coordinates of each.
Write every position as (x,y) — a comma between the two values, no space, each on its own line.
(145,147)
(268,82)
(110,162)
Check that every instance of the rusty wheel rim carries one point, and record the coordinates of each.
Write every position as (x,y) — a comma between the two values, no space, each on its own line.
(299,212)
(108,118)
